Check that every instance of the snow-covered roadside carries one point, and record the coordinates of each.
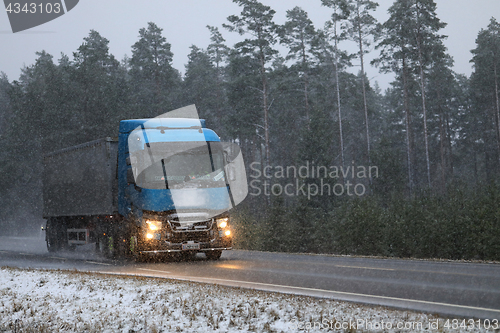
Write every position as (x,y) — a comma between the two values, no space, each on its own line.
(70,301)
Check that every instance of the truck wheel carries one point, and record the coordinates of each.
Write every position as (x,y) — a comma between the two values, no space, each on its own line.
(52,244)
(213,255)
(126,245)
(53,236)
(105,246)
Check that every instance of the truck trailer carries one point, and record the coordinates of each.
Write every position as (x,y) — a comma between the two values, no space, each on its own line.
(163,186)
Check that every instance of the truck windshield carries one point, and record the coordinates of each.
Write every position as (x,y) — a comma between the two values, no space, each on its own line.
(177,165)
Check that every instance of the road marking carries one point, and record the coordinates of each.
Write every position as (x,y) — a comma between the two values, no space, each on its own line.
(229,266)
(363,267)
(197,279)
(153,270)
(26,254)
(58,258)
(343,293)
(98,263)
(406,270)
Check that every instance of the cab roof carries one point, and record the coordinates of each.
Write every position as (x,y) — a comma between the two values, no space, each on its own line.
(127,126)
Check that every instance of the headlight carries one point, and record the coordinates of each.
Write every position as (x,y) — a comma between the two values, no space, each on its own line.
(154,225)
(222,223)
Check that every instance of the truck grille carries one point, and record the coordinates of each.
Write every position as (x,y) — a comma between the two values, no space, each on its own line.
(189,222)
(187,226)
(196,226)
(180,237)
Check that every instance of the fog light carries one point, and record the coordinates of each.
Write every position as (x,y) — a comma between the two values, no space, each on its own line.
(227,233)
(149,236)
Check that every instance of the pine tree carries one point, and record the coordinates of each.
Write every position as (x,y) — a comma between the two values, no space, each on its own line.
(218,52)
(154,80)
(95,74)
(442,91)
(256,20)
(299,35)
(361,28)
(340,13)
(200,85)
(410,44)
(429,48)
(485,82)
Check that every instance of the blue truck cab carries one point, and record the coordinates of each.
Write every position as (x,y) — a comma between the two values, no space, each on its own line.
(164,186)
(178,195)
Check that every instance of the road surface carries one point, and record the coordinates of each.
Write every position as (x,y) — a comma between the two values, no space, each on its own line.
(455,289)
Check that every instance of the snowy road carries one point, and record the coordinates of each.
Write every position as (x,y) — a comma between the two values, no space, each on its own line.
(463,290)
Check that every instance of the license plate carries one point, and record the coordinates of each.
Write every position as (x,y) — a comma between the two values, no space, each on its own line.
(191,246)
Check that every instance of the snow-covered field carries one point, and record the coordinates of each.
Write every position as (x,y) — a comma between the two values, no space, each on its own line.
(69,301)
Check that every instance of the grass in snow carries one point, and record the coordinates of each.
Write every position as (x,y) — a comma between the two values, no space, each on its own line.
(70,301)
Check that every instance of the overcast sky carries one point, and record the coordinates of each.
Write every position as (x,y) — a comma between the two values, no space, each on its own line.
(184,24)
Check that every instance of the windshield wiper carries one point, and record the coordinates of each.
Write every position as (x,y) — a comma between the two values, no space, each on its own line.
(164,173)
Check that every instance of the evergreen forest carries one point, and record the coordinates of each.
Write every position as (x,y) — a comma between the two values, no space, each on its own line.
(412,171)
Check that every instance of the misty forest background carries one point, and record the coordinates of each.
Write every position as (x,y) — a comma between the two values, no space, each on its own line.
(434,134)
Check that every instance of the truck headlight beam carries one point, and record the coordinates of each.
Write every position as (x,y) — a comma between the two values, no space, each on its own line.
(222,223)
(153,225)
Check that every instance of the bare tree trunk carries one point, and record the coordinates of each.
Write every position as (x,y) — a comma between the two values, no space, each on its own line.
(424,110)
(442,137)
(407,124)
(157,83)
(497,105)
(441,151)
(264,102)
(218,103)
(476,176)
(339,108)
(422,87)
(338,94)
(340,116)
(448,141)
(306,84)
(360,41)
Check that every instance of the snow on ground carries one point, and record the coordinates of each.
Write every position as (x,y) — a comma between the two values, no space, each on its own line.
(70,301)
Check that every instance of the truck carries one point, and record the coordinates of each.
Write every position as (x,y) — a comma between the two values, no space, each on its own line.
(164,186)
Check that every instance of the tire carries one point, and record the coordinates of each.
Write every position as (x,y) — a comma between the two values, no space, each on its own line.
(52,238)
(52,245)
(105,246)
(213,255)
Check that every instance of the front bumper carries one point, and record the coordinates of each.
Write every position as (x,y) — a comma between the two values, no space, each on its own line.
(192,233)
(158,246)
(174,251)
